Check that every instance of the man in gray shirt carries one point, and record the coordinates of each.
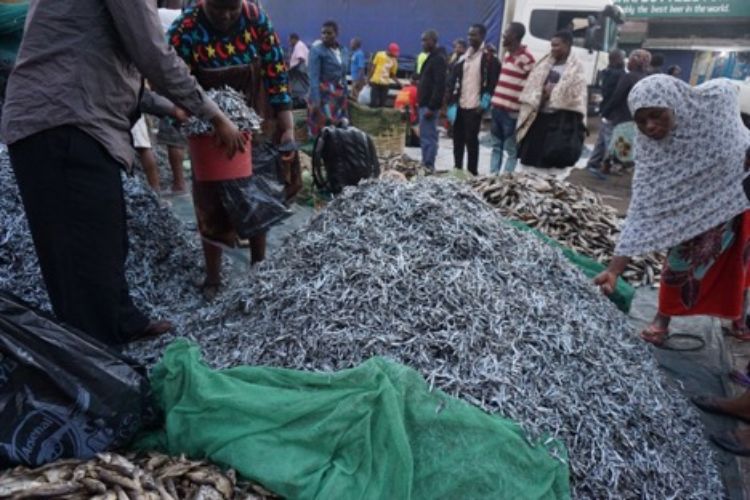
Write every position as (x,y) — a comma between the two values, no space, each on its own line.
(71,101)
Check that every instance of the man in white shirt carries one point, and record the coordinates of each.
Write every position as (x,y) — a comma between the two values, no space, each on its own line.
(299,80)
(470,90)
(300,52)
(171,11)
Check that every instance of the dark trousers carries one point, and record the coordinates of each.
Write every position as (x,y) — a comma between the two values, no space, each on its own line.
(466,135)
(72,194)
(378,95)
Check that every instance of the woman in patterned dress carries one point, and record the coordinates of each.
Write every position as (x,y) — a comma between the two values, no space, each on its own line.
(233,43)
(688,197)
(329,95)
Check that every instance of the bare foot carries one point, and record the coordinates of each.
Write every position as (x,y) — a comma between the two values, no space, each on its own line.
(743,437)
(657,332)
(738,407)
(735,442)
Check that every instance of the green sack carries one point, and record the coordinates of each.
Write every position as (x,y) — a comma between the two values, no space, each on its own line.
(372,432)
(623,295)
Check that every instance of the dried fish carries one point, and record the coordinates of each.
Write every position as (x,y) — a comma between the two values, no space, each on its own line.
(234,105)
(201,481)
(569,214)
(403,164)
(427,274)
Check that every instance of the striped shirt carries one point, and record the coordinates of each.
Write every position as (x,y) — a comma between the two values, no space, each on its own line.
(513,75)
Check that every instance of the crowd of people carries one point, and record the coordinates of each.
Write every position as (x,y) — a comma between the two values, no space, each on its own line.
(69,141)
(537,108)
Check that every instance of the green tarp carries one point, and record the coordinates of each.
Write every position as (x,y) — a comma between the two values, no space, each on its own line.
(372,432)
(12,18)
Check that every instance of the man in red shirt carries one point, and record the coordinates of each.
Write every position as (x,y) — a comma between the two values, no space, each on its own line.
(517,65)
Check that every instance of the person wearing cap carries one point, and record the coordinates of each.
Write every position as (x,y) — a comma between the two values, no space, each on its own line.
(383,74)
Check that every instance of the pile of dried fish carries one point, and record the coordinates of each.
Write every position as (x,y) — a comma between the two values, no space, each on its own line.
(233,104)
(403,164)
(115,477)
(428,274)
(570,214)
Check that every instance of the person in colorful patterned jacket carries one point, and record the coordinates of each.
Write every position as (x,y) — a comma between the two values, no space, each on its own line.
(232,42)
(329,94)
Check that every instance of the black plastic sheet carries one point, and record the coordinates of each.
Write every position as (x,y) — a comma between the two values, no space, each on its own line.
(62,393)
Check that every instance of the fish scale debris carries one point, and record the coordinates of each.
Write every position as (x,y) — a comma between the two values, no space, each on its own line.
(427,274)
(569,214)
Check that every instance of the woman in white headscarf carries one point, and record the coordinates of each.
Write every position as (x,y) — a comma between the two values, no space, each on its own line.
(688,198)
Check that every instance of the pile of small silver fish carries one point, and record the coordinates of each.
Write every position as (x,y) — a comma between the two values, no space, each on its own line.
(429,275)
(233,104)
(110,476)
(569,214)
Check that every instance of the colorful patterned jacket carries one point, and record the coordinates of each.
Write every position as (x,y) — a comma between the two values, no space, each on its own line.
(201,46)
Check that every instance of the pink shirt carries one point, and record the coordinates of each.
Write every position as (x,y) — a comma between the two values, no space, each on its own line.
(300,54)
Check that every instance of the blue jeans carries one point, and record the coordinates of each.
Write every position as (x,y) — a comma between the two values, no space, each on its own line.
(503,139)
(428,137)
(602,145)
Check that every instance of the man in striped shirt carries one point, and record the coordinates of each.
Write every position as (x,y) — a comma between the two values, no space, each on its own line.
(517,65)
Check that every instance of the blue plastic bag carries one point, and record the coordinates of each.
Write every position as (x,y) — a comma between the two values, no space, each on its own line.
(452,113)
(486,101)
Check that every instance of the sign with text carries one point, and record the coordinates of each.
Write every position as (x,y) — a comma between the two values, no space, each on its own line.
(685,8)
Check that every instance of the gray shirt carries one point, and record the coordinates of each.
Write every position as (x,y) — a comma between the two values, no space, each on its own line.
(81,63)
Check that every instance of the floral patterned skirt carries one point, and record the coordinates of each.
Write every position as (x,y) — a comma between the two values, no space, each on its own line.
(334,107)
(621,148)
(708,275)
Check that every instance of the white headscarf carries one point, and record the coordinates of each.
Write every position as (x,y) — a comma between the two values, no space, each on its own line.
(691,181)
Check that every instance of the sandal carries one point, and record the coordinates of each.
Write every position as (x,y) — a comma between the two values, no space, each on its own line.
(740,378)
(153,329)
(655,335)
(739,331)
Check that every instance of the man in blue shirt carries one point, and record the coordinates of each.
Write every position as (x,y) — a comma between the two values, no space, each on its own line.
(357,67)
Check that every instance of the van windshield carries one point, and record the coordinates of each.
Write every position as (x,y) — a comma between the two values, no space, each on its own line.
(545,23)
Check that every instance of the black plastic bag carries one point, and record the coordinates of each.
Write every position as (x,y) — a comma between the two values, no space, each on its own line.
(63,394)
(256,203)
(343,156)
